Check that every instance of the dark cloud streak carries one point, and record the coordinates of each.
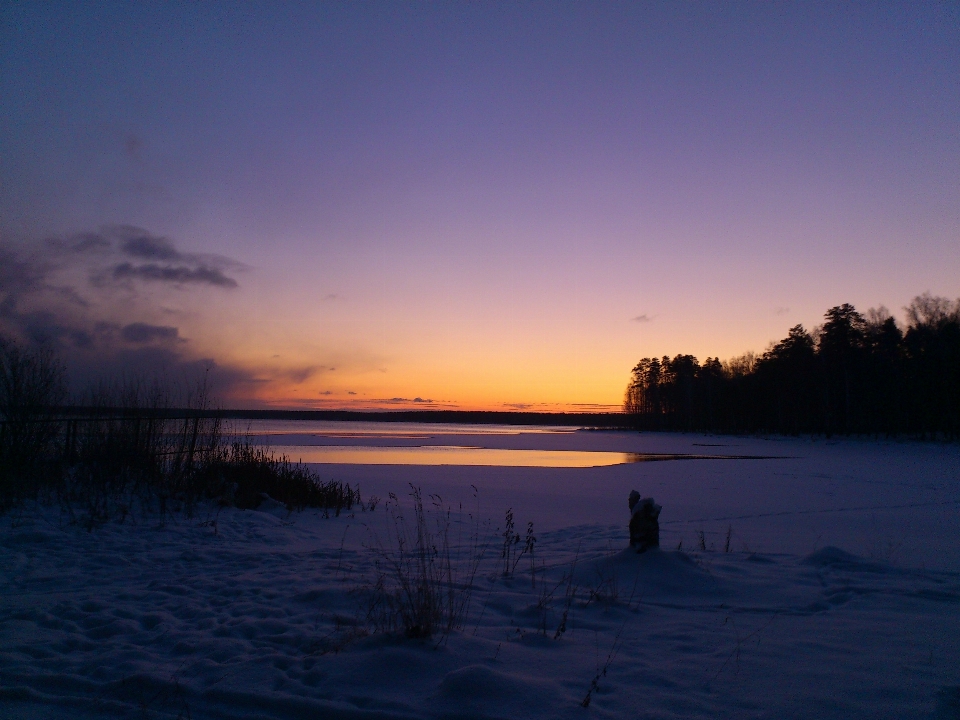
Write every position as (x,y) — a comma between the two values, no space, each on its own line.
(141,333)
(175,274)
(151,248)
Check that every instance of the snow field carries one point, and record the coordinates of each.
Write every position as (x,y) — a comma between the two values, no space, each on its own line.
(260,614)
(256,621)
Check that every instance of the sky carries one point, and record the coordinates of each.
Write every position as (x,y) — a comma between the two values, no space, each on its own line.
(489,206)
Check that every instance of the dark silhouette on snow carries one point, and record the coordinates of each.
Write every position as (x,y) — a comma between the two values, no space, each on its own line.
(644,528)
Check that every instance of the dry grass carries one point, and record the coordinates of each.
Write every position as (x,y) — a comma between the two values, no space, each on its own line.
(137,449)
(423,584)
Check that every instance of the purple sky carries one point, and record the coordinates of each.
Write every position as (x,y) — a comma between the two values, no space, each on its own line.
(476,205)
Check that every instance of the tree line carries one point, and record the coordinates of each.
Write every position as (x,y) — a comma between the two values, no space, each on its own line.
(856,373)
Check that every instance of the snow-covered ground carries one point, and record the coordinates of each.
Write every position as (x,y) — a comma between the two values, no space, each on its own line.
(840,596)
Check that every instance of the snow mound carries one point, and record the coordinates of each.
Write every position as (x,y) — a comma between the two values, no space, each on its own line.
(480,691)
(481,682)
(652,574)
(837,559)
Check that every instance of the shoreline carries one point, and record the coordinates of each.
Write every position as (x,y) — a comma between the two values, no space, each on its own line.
(452,417)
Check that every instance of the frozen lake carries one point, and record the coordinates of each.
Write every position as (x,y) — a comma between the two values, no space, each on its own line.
(897,501)
(342,443)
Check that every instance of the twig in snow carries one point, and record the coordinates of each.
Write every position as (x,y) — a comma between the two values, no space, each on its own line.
(611,656)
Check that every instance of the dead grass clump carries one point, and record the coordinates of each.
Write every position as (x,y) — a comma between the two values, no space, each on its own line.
(549,598)
(135,448)
(512,553)
(607,589)
(32,386)
(131,452)
(137,452)
(423,587)
(242,474)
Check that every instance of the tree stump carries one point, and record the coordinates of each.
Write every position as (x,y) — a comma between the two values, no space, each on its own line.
(644,527)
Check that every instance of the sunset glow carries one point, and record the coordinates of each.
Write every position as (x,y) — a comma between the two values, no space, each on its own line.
(465,206)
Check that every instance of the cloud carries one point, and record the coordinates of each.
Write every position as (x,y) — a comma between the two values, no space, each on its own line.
(83,296)
(302,374)
(62,292)
(350,392)
(295,375)
(42,327)
(141,333)
(781,311)
(594,406)
(327,392)
(34,307)
(176,274)
(148,247)
(642,318)
(138,254)
(86,243)
(19,275)
(417,402)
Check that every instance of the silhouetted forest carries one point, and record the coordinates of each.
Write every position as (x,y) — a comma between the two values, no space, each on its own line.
(857,373)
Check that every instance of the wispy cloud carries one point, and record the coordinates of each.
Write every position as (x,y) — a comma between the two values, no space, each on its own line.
(593,407)
(295,375)
(151,258)
(176,274)
(44,327)
(302,374)
(564,407)
(148,247)
(642,318)
(781,311)
(141,333)
(83,243)
(416,402)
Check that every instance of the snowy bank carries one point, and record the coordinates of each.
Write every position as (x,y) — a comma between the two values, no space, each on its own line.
(260,614)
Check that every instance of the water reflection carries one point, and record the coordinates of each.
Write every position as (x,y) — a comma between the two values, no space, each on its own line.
(461,455)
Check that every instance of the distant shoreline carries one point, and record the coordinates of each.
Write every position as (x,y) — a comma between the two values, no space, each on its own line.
(453,417)
(456,417)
